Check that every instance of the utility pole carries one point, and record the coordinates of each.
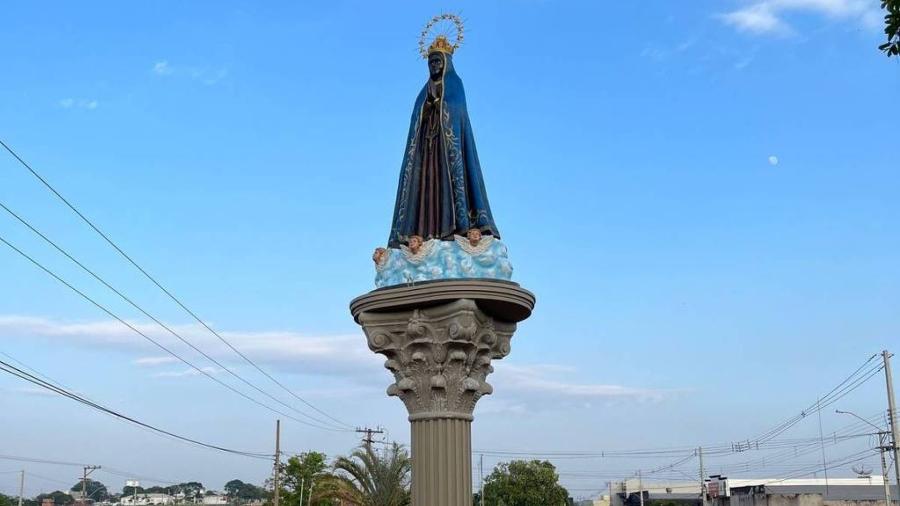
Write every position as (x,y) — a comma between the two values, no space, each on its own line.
(87,470)
(481,480)
(892,414)
(882,447)
(276,497)
(641,486)
(21,487)
(702,477)
(822,442)
(369,432)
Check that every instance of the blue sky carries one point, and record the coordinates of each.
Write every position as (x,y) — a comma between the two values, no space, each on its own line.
(701,194)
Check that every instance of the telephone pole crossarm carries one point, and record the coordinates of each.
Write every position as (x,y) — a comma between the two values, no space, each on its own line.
(87,471)
(368,439)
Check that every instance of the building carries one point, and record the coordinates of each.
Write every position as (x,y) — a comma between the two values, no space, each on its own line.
(603,500)
(628,492)
(79,500)
(147,500)
(867,491)
(723,491)
(215,500)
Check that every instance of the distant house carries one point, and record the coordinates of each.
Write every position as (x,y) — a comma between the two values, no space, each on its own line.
(147,500)
(79,500)
(215,500)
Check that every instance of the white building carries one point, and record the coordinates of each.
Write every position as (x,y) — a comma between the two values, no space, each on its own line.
(722,491)
(718,486)
(867,491)
(215,500)
(147,500)
(603,500)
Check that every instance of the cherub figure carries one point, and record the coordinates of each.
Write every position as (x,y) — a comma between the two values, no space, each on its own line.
(380,257)
(474,243)
(474,236)
(415,244)
(417,249)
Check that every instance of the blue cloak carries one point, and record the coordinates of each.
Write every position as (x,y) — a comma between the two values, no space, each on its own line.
(462,202)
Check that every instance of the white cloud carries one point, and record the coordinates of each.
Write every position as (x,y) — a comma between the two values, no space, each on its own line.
(162,68)
(501,406)
(206,75)
(343,356)
(154,361)
(292,352)
(79,103)
(767,16)
(773,160)
(32,391)
(187,372)
(757,18)
(549,379)
(544,386)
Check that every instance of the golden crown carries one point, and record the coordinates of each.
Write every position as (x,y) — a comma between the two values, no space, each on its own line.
(441,44)
(440,41)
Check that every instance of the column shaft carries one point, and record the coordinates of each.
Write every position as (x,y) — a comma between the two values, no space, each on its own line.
(442,462)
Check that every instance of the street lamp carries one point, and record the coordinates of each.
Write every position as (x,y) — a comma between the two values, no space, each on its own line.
(882,447)
(858,417)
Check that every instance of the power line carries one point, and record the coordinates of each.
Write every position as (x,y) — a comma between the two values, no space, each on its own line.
(61,385)
(670,472)
(47,478)
(150,339)
(128,474)
(785,450)
(33,371)
(688,453)
(41,461)
(163,289)
(839,436)
(148,315)
(840,390)
(15,371)
(763,441)
(113,471)
(795,472)
(852,382)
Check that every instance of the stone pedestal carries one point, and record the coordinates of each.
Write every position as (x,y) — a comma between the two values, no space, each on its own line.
(439,339)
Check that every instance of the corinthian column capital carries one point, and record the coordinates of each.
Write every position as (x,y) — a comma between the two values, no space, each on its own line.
(440,356)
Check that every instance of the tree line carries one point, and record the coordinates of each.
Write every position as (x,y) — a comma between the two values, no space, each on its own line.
(373,477)
(237,492)
(369,476)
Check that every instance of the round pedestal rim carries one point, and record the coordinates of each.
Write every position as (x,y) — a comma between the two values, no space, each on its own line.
(503,300)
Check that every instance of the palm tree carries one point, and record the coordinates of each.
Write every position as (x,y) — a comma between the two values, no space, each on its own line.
(372,479)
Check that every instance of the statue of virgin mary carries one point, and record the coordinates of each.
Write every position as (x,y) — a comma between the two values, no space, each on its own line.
(442,226)
(441,192)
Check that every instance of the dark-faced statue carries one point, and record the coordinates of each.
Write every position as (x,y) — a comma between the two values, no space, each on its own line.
(436,66)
